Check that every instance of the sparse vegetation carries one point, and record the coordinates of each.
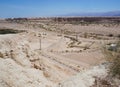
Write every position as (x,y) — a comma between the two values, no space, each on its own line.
(115,66)
(113,56)
(10,31)
(102,83)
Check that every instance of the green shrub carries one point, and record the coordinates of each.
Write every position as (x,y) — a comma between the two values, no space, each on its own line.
(10,31)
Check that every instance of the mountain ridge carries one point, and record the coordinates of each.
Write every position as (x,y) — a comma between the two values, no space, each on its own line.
(96,14)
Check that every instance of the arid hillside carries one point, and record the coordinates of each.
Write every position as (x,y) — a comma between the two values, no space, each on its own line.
(56,52)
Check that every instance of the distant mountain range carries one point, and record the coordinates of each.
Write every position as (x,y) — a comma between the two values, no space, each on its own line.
(96,14)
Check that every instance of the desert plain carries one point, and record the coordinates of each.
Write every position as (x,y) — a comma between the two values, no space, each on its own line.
(55,52)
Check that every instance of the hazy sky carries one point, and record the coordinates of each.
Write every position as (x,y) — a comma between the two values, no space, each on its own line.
(37,8)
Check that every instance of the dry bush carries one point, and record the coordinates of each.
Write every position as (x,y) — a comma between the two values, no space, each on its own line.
(1,55)
(103,82)
(115,66)
(46,74)
(110,35)
(118,36)
(85,35)
(114,58)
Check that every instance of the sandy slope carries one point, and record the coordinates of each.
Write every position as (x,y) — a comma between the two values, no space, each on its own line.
(85,78)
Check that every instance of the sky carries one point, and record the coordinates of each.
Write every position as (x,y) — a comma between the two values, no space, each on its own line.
(44,8)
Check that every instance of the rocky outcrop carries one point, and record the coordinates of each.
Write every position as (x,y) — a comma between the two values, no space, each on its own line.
(14,75)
